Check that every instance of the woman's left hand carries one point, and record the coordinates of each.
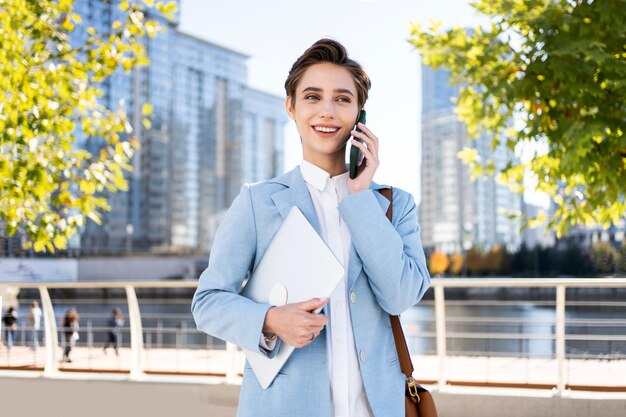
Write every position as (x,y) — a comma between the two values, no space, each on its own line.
(365,172)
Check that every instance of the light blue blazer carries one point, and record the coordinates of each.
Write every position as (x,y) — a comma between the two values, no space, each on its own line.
(387,274)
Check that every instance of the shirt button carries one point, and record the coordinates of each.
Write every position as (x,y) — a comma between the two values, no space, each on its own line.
(362,356)
(352,297)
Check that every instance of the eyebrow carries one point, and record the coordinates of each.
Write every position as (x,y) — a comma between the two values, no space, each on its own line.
(336,90)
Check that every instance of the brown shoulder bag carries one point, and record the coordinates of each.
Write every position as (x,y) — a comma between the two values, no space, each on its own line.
(418,400)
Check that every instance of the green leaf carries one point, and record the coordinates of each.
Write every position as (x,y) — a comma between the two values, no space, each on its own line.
(468,155)
(68,25)
(60,242)
(146,109)
(39,246)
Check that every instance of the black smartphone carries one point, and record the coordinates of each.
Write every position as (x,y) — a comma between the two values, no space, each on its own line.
(355,153)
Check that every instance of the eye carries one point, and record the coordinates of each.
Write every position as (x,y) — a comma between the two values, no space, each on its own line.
(311,97)
(344,99)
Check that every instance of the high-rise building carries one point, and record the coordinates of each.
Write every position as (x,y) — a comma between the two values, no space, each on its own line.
(536,236)
(455,212)
(210,133)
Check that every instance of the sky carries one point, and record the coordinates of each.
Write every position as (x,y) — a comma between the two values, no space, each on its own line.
(275,33)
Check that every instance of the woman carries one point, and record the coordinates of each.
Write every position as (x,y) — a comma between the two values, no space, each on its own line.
(116,323)
(10,326)
(70,332)
(34,321)
(345,362)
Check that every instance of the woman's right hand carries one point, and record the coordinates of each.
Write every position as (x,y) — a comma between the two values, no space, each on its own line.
(296,324)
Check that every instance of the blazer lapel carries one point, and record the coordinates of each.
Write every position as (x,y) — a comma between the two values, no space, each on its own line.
(296,194)
(355,266)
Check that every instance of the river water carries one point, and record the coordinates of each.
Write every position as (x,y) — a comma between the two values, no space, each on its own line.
(494,323)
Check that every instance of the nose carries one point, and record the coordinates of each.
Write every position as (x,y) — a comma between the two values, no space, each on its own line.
(327,109)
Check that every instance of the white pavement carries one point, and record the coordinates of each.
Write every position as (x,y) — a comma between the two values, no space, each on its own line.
(609,375)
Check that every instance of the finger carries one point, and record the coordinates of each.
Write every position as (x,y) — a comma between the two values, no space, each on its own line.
(371,143)
(302,342)
(306,338)
(316,329)
(312,304)
(367,131)
(366,152)
(361,135)
(316,320)
(361,158)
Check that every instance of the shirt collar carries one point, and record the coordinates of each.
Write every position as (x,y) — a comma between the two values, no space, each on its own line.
(317,177)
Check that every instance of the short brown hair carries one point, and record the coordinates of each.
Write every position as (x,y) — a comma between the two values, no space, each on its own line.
(328,51)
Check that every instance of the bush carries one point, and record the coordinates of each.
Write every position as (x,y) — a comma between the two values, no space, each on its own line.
(456,263)
(475,262)
(604,257)
(621,264)
(438,263)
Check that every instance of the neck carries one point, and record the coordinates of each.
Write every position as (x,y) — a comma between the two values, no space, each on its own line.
(333,166)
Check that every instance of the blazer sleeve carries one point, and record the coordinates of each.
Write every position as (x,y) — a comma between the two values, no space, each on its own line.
(392,254)
(217,307)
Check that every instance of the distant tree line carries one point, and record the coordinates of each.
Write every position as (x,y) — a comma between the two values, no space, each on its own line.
(600,259)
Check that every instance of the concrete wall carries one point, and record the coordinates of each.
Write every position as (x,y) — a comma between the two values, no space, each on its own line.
(132,268)
(139,268)
(27,397)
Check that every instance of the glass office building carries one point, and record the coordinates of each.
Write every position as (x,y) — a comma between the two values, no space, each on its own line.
(210,133)
(454,209)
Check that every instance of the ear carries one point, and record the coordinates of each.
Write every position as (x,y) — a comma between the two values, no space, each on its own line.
(289,107)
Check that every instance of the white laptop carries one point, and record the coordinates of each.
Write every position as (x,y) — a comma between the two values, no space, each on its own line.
(296,267)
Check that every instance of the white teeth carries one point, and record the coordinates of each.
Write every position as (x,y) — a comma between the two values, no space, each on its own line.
(326,129)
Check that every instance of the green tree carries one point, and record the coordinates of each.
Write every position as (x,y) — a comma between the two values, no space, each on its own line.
(497,260)
(604,257)
(522,262)
(572,260)
(49,92)
(558,69)
(621,266)
(475,262)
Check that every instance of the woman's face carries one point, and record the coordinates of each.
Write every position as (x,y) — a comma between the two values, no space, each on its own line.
(325,109)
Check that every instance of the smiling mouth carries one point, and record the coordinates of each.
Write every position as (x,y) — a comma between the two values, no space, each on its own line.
(326,129)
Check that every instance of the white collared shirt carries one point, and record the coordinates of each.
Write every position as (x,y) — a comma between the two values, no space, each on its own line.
(348,397)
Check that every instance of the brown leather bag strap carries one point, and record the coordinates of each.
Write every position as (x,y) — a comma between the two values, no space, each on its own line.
(388,194)
(406,365)
(398,335)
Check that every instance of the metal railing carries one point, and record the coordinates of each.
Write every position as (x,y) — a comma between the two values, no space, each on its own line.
(560,285)
(441,335)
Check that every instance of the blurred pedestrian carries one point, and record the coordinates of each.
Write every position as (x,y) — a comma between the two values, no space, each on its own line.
(34,322)
(116,322)
(70,332)
(10,325)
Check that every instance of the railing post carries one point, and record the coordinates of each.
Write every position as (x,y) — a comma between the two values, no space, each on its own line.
(560,338)
(90,334)
(440,326)
(159,343)
(51,366)
(231,371)
(136,334)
